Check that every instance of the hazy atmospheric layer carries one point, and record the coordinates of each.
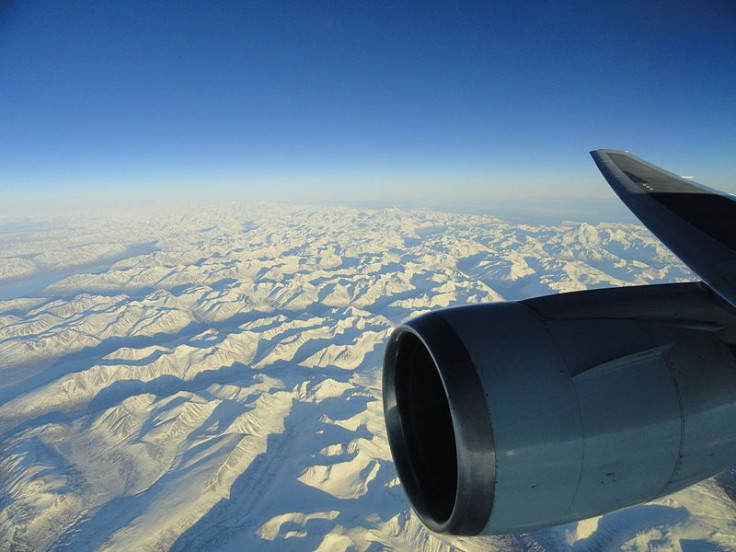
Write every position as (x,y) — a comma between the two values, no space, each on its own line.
(210,378)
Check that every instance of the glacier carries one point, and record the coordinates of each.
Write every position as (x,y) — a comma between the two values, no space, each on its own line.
(198,378)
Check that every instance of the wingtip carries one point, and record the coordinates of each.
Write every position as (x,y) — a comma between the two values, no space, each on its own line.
(609,150)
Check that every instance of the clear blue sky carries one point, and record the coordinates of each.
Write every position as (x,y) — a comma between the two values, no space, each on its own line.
(360,99)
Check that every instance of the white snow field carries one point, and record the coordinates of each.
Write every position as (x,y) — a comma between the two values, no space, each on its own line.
(209,379)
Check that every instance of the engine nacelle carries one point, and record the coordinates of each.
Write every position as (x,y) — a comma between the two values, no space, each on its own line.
(510,417)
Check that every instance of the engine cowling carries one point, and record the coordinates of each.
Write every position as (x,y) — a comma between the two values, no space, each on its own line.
(509,417)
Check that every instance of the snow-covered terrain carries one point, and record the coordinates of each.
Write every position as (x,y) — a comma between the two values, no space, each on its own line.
(209,379)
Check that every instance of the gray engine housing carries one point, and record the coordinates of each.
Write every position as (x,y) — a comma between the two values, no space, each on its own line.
(508,417)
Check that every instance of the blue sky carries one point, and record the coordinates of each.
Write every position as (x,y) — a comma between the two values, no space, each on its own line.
(360,100)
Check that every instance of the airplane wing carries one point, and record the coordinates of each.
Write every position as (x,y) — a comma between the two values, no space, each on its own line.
(513,416)
(696,222)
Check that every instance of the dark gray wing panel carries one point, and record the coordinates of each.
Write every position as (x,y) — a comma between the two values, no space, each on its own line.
(697,223)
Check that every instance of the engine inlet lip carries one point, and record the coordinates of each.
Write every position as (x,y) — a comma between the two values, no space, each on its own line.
(474,448)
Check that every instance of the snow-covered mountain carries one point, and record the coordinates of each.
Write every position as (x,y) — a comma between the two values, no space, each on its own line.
(210,378)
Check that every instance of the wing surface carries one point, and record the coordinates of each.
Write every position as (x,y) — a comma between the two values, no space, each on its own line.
(696,222)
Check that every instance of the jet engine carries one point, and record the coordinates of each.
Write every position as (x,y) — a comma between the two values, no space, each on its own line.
(508,417)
